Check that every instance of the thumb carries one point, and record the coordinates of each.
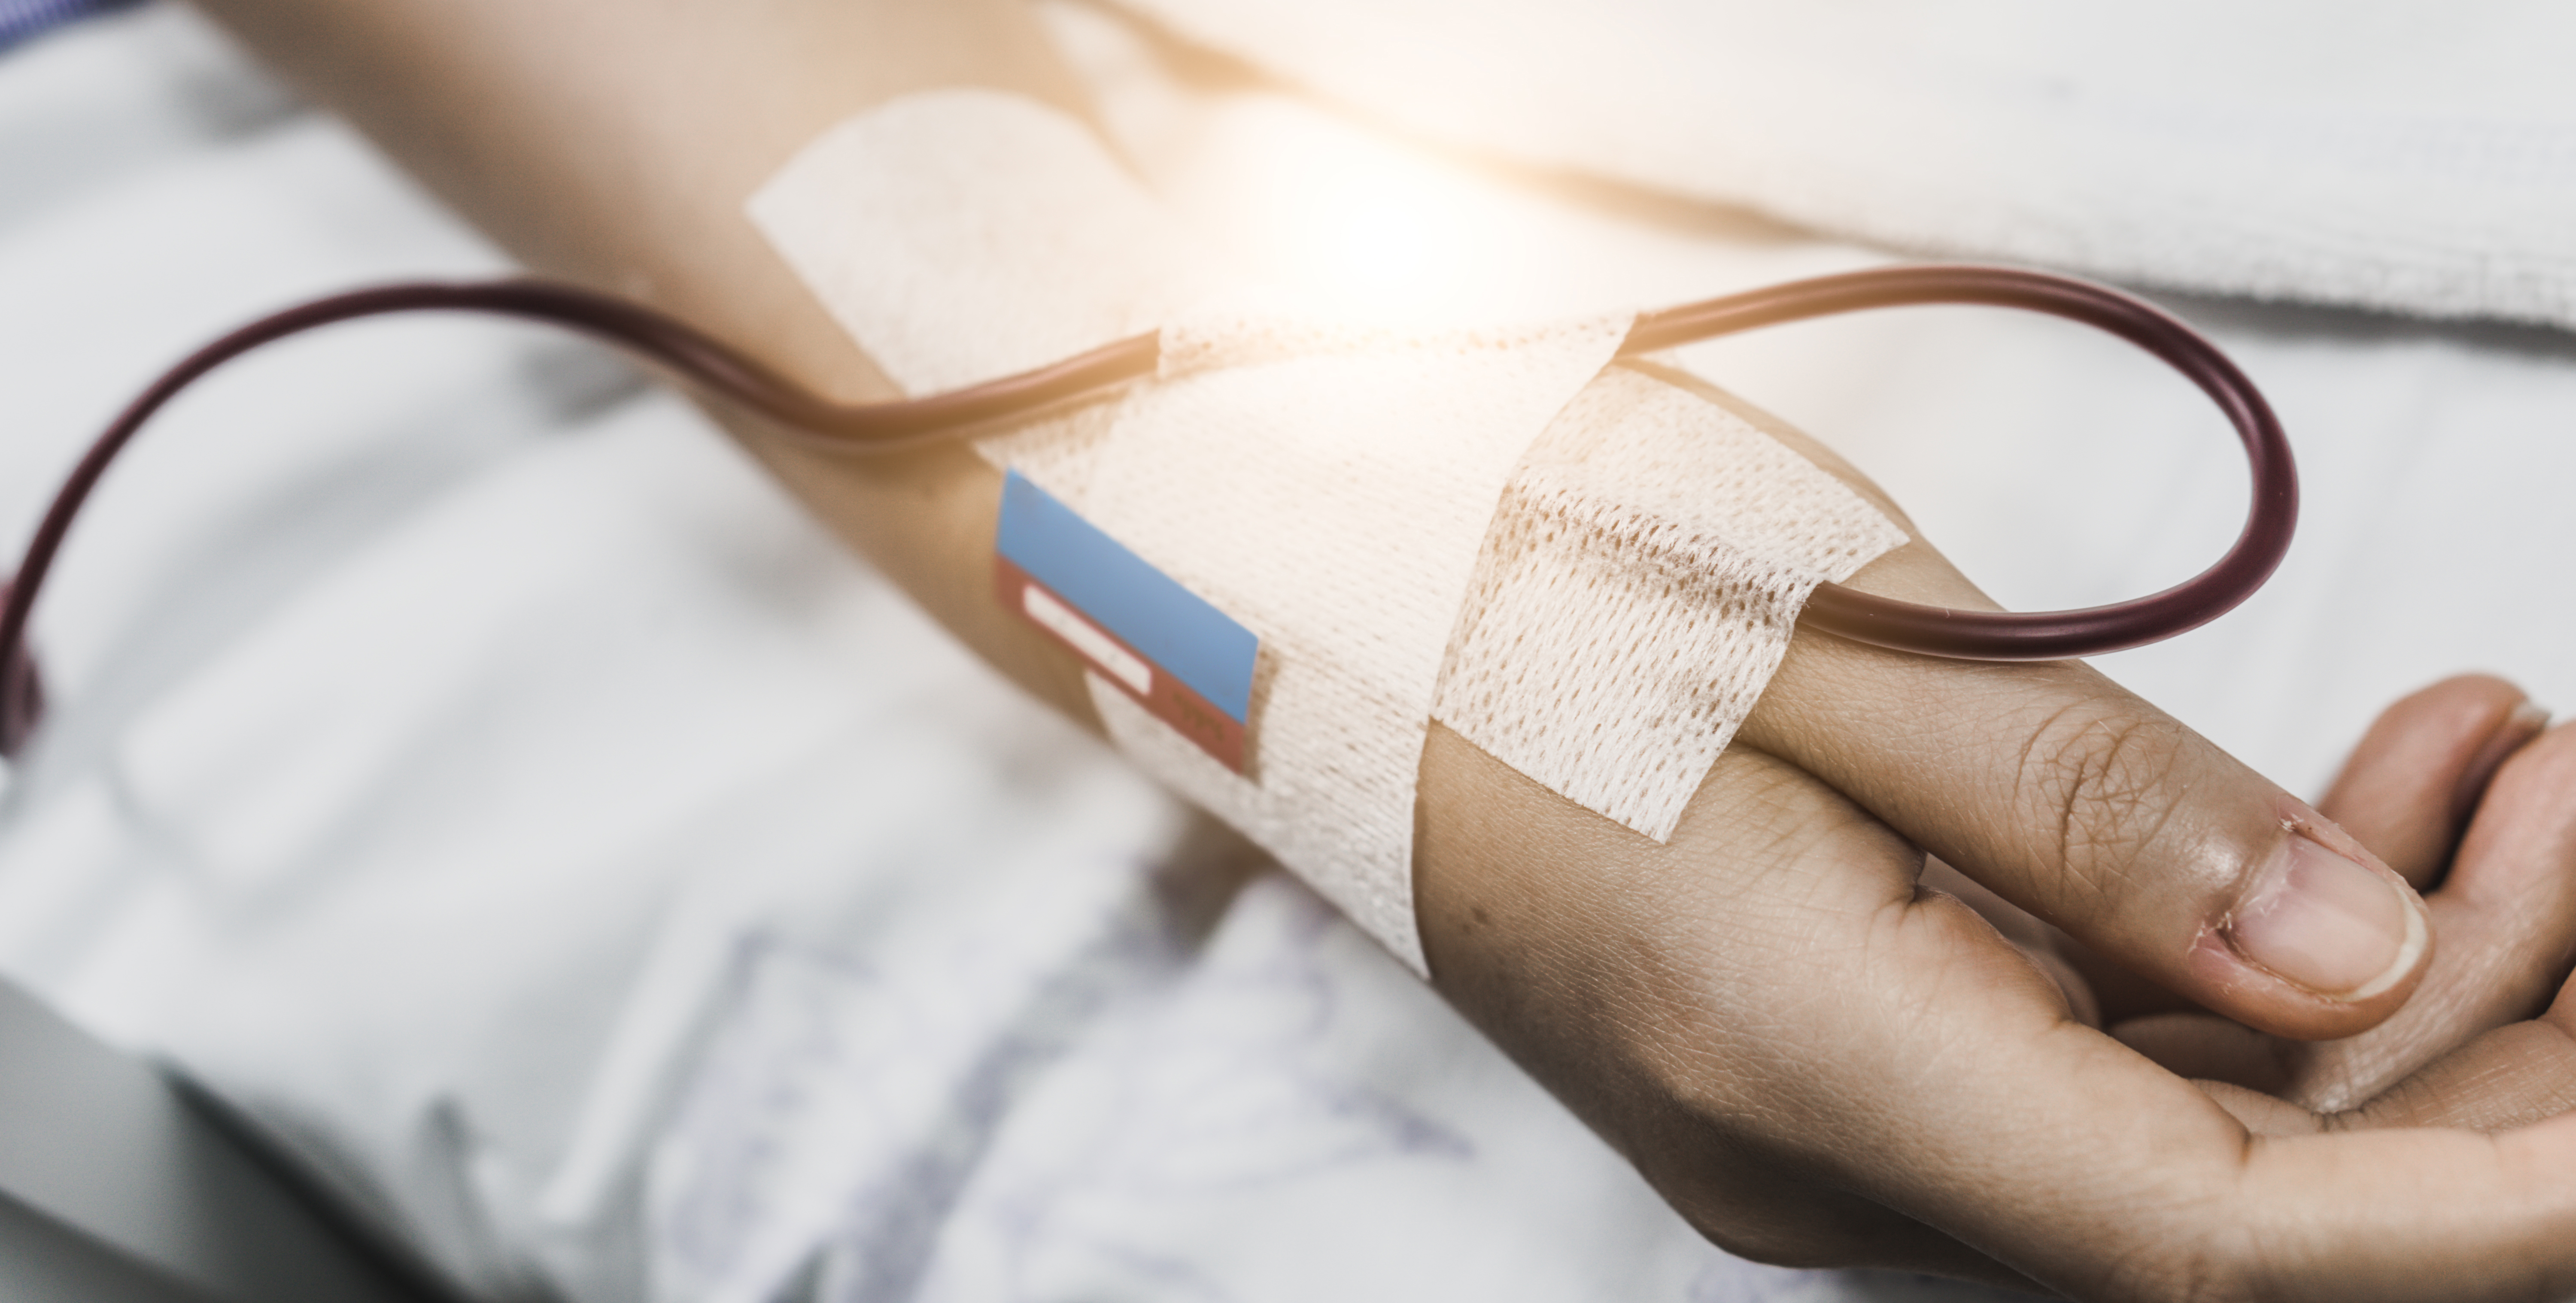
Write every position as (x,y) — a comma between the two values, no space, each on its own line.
(2076,800)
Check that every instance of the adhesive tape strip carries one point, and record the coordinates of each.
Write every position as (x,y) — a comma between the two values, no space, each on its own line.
(1642,579)
(1331,489)
(1335,504)
(964,235)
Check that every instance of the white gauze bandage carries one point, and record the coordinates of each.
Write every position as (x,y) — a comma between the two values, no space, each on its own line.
(1641,579)
(1329,489)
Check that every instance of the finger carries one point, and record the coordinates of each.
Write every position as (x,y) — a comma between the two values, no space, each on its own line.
(2510,1077)
(2119,1181)
(2120,993)
(2099,992)
(2416,776)
(2036,940)
(2090,808)
(2515,875)
(2061,1155)
(2507,918)
(2414,1214)
(2203,1048)
(2515,893)
(1767,1003)
(2261,1114)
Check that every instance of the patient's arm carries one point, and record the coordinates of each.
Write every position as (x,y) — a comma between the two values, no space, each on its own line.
(614,145)
(1812,1059)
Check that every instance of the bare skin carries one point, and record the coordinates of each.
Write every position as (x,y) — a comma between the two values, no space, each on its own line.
(1815,1058)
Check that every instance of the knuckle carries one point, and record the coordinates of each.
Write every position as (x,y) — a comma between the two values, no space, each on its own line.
(1775,1245)
(2106,781)
(1764,1203)
(2219,1278)
(2203,1272)
(1799,1227)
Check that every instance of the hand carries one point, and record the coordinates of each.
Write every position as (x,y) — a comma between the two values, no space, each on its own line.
(1820,1062)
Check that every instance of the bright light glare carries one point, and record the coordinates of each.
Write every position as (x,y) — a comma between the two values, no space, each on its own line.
(1356,227)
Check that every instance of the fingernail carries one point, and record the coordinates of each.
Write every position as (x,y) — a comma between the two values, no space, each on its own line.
(2517,731)
(2325,922)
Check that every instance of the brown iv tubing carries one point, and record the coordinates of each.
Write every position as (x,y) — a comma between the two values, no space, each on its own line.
(870,429)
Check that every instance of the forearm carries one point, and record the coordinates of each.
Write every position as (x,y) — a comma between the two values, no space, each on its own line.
(613,146)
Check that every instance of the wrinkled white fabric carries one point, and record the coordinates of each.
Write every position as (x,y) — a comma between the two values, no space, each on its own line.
(2414,158)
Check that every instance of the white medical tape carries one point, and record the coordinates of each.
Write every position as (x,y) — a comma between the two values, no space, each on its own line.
(1334,504)
(1639,585)
(964,235)
(1328,488)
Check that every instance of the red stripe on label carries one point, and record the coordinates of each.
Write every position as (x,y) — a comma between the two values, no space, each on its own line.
(1164,696)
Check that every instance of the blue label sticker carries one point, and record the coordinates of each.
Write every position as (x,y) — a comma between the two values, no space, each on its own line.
(1185,660)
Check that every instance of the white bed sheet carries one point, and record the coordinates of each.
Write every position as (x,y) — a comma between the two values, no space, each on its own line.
(466,761)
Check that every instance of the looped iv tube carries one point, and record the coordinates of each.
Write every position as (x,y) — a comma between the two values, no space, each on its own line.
(880,428)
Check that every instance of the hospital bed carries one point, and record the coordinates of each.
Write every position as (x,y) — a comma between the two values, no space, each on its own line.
(120,1185)
(582,875)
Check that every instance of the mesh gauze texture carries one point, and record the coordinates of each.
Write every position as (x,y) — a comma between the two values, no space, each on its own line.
(1642,577)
